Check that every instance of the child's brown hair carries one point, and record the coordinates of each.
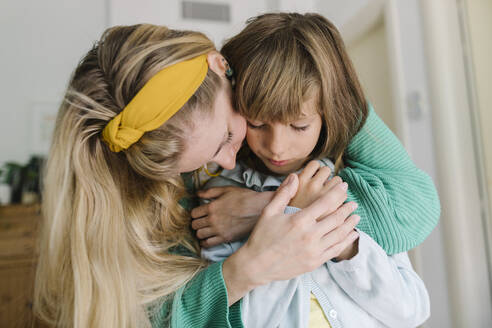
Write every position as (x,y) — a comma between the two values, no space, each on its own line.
(283,59)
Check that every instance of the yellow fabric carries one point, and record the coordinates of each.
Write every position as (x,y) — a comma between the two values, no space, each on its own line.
(159,99)
(317,318)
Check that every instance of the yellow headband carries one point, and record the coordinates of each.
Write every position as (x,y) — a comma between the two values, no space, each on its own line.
(159,99)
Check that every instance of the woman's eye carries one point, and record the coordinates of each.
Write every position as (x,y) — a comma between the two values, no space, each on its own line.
(229,137)
(257,126)
(299,128)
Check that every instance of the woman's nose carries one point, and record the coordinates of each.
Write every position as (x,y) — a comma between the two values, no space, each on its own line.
(227,158)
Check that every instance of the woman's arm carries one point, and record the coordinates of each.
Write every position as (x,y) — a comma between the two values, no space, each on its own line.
(203,302)
(398,203)
(281,246)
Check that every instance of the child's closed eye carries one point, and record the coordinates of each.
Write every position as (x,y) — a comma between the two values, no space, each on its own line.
(255,126)
(299,128)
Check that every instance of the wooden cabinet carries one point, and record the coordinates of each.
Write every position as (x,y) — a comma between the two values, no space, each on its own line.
(19,226)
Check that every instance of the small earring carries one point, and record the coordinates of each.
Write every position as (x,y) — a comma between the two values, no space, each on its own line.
(229,72)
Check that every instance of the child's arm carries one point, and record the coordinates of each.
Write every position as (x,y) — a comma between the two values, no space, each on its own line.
(398,203)
(384,286)
(232,215)
(223,250)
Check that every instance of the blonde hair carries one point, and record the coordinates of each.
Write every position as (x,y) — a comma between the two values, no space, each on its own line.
(281,60)
(112,222)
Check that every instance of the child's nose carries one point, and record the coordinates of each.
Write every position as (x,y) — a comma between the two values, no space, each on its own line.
(277,145)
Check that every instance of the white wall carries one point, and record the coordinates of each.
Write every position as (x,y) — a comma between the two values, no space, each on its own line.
(369,55)
(477,15)
(123,12)
(468,279)
(42,42)
(340,12)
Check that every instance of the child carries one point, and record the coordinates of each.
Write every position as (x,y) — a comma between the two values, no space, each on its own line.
(299,93)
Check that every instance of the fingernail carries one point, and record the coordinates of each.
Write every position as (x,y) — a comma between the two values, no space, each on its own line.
(354,206)
(357,219)
(344,186)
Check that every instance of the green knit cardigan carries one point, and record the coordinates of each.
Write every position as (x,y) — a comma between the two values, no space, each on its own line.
(398,206)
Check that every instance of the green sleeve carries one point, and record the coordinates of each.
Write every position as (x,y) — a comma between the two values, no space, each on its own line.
(201,303)
(398,203)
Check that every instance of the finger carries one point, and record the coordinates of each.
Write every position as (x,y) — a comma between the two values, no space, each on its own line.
(322,175)
(212,192)
(200,211)
(341,232)
(200,223)
(336,249)
(282,196)
(212,241)
(308,172)
(204,233)
(337,218)
(333,182)
(325,204)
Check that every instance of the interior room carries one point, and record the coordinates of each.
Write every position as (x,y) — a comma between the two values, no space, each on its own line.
(423,65)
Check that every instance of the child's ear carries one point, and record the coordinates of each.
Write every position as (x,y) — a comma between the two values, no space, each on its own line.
(217,63)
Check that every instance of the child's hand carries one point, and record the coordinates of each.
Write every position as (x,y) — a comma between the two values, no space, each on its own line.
(313,183)
(230,215)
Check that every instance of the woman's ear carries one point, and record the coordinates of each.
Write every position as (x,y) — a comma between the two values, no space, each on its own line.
(217,63)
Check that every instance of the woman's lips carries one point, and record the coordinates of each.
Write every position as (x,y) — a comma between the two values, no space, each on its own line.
(278,163)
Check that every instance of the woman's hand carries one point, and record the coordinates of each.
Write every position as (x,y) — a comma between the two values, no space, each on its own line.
(230,215)
(313,182)
(284,246)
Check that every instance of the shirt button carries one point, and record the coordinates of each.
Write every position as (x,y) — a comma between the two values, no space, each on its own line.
(333,314)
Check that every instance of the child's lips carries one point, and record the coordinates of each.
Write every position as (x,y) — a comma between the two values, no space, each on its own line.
(278,163)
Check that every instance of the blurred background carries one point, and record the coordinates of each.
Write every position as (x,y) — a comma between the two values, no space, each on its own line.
(424,64)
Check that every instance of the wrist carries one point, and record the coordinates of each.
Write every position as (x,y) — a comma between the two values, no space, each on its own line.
(239,275)
(349,252)
(263,198)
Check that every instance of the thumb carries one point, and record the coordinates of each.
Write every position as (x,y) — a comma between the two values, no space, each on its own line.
(282,196)
(212,192)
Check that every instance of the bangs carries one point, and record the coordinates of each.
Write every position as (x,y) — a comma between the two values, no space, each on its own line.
(277,81)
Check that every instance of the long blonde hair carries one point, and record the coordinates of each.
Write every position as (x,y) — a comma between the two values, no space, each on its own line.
(112,222)
(299,56)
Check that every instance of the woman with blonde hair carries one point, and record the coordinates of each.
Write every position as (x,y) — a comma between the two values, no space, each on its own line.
(144,105)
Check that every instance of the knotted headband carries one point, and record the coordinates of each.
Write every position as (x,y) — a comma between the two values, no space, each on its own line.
(159,99)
